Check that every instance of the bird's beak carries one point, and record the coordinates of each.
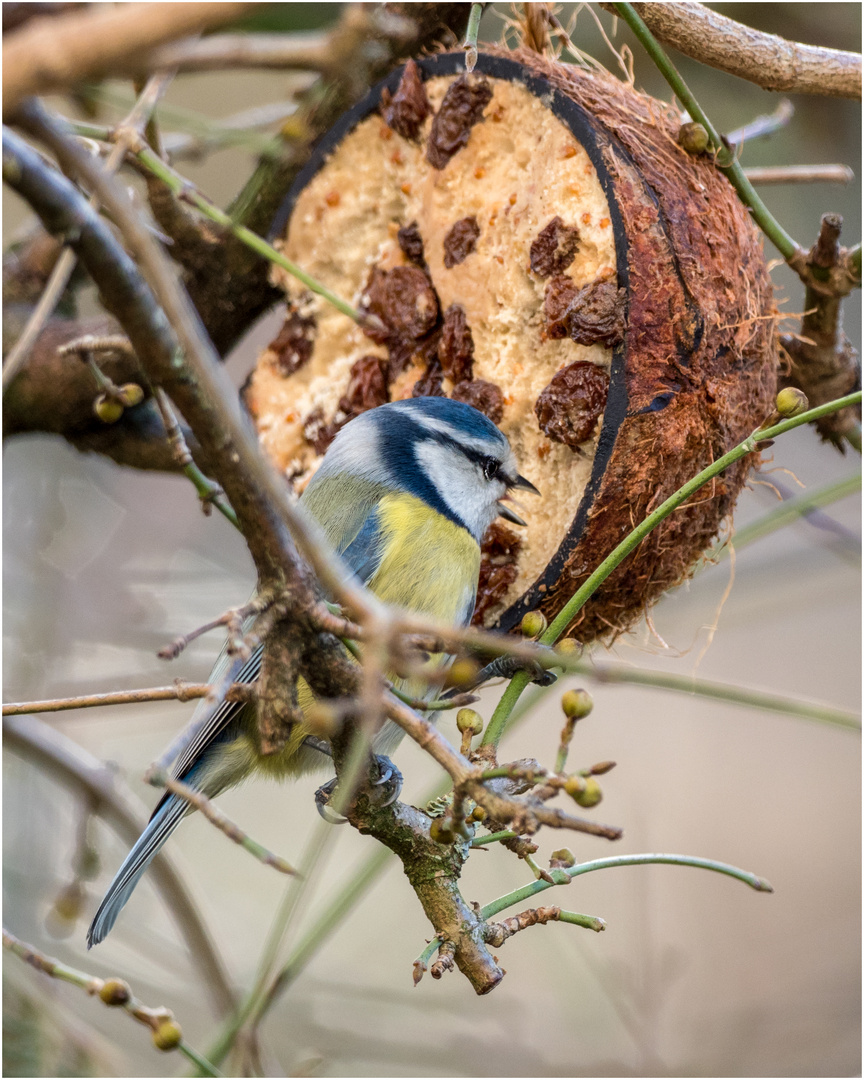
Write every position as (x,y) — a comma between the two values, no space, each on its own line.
(525,485)
(510,515)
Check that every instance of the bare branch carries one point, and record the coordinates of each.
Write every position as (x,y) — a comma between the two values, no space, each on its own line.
(180,691)
(304,51)
(800,174)
(765,59)
(93,42)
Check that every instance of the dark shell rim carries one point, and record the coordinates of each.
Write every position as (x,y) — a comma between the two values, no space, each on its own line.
(584,128)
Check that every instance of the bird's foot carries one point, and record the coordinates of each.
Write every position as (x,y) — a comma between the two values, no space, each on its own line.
(505,667)
(386,785)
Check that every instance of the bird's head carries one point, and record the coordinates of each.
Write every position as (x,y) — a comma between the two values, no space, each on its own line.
(444,452)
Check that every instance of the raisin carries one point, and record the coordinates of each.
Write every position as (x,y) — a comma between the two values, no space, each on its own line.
(367,387)
(456,348)
(409,106)
(460,241)
(484,396)
(294,342)
(568,409)
(429,384)
(498,569)
(460,110)
(411,243)
(405,302)
(554,248)
(318,433)
(592,314)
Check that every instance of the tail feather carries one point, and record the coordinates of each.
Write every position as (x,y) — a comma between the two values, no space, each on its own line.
(148,844)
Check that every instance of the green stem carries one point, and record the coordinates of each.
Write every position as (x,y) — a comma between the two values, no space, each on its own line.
(725,692)
(186,191)
(492,838)
(470,42)
(204,1067)
(574,605)
(518,896)
(590,922)
(726,161)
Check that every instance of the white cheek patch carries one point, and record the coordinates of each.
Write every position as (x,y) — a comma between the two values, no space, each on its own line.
(461,486)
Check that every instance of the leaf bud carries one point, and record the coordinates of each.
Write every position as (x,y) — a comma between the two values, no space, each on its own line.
(575,785)
(533,624)
(478,814)
(791,402)
(469,720)
(561,858)
(108,409)
(569,648)
(131,394)
(441,831)
(693,138)
(115,992)
(576,704)
(591,795)
(601,767)
(167,1036)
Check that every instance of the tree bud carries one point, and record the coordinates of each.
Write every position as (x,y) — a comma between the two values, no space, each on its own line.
(576,704)
(693,138)
(533,624)
(591,795)
(131,394)
(115,992)
(791,402)
(441,831)
(469,720)
(167,1035)
(109,410)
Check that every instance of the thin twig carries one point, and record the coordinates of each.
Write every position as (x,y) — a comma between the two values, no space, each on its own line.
(800,174)
(215,816)
(113,992)
(307,51)
(136,121)
(180,691)
(761,126)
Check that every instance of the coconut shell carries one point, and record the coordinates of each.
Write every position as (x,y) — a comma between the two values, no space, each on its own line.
(651,346)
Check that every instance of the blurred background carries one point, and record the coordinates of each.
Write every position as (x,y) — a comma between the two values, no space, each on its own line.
(696,975)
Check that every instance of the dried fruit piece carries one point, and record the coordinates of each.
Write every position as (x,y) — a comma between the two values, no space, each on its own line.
(404,301)
(293,344)
(456,347)
(498,570)
(367,387)
(429,384)
(595,313)
(483,395)
(409,106)
(460,110)
(317,432)
(555,248)
(460,241)
(411,243)
(568,409)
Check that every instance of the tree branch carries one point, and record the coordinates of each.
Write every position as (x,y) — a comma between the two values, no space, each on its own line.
(765,59)
(95,42)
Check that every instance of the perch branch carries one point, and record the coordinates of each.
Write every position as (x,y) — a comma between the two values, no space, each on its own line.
(768,60)
(800,174)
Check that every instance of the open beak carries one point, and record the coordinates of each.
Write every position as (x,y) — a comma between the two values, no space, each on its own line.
(510,515)
(525,485)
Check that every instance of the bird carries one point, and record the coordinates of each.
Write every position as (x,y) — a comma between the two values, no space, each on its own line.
(405,494)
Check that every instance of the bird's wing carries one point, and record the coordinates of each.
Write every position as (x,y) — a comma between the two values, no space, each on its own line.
(354,531)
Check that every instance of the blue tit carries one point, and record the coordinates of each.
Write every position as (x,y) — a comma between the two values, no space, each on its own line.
(404,494)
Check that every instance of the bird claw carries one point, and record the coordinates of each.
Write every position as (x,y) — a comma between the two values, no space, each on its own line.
(384,791)
(505,667)
(322,800)
(389,780)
